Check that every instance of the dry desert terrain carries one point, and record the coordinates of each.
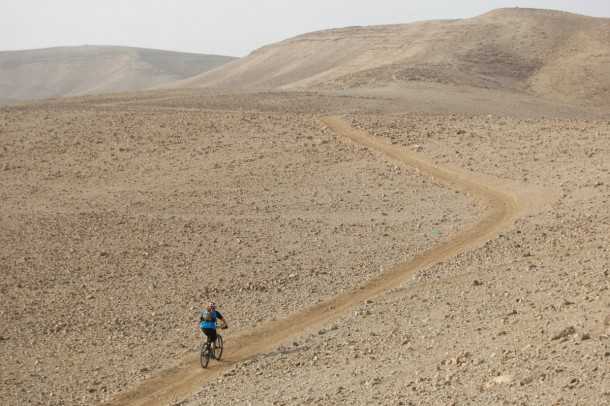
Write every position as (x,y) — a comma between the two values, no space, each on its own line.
(70,71)
(400,240)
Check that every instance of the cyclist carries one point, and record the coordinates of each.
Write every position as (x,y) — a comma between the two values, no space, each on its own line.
(208,320)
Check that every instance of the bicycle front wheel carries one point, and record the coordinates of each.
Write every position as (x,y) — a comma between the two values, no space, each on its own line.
(218,348)
(205,355)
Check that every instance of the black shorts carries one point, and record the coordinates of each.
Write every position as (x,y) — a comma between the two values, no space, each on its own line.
(210,333)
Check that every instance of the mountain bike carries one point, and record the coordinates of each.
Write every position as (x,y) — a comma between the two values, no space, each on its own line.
(211,350)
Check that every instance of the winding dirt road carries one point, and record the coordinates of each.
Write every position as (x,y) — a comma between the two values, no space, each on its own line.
(184,380)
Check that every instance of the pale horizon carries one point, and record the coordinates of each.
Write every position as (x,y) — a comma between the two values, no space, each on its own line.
(234,28)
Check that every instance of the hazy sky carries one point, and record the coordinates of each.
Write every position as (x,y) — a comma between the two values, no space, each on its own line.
(230,27)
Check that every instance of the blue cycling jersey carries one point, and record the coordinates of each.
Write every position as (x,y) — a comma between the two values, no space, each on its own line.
(210,324)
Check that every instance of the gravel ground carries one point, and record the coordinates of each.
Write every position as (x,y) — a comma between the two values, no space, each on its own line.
(523,320)
(118,223)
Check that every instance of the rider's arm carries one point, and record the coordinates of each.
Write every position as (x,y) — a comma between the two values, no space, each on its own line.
(224,321)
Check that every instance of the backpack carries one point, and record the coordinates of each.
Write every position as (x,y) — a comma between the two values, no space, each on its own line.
(207,316)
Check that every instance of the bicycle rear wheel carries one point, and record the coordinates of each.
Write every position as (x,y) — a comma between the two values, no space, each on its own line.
(205,355)
(218,348)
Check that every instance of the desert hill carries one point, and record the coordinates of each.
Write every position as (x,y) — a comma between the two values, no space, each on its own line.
(546,53)
(69,71)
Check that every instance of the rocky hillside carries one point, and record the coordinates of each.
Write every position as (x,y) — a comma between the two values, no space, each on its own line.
(546,53)
(69,71)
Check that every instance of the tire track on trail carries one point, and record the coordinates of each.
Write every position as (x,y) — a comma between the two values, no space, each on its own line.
(181,382)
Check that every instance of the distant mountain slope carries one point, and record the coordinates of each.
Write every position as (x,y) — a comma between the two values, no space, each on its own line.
(547,53)
(69,71)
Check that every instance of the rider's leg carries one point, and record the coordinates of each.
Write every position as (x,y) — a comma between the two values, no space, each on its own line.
(214,337)
(211,342)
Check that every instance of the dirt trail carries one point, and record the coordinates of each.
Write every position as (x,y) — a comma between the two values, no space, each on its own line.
(180,382)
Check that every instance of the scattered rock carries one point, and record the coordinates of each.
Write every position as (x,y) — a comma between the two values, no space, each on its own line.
(573,383)
(503,379)
(566,332)
(526,381)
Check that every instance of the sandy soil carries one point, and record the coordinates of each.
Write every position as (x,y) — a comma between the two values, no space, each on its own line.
(68,71)
(524,319)
(122,214)
(120,221)
(442,239)
(550,54)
